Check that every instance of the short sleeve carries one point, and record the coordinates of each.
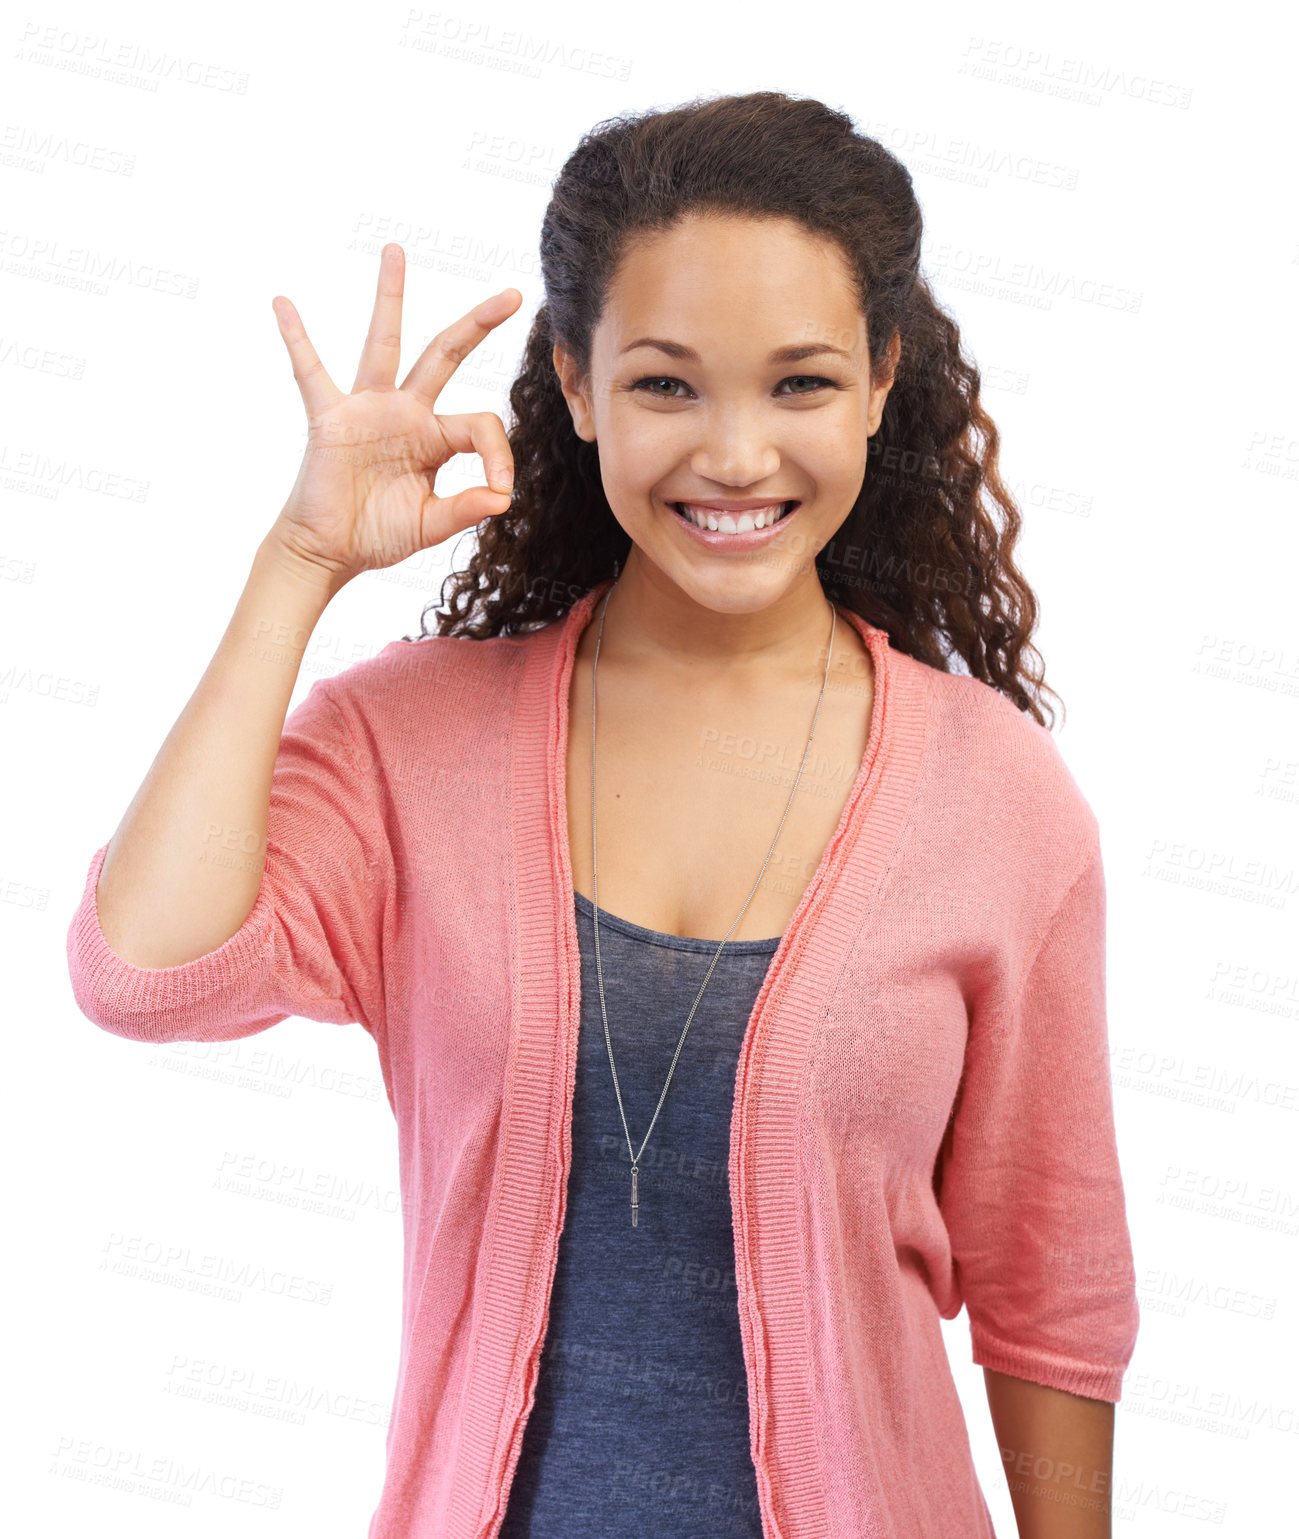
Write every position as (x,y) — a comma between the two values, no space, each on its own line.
(1029,1182)
(310,946)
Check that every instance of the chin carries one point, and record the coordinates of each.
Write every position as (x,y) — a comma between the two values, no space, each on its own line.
(735,587)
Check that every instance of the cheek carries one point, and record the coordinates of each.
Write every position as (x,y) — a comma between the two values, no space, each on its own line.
(831,437)
(829,447)
(637,448)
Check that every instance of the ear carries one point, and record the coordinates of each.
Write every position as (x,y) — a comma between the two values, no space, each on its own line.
(579,402)
(880,391)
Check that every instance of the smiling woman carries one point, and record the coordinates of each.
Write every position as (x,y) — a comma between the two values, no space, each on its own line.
(737,237)
(811,435)
(735,419)
(747,630)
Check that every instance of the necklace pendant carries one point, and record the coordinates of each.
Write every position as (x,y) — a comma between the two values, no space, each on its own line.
(634,1203)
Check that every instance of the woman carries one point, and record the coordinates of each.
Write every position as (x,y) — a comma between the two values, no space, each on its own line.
(728,924)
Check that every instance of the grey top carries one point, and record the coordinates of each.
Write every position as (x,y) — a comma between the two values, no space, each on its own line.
(641,1419)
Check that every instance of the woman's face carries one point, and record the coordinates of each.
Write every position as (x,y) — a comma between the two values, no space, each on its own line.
(730,373)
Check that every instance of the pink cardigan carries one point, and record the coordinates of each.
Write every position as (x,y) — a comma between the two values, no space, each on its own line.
(922,1115)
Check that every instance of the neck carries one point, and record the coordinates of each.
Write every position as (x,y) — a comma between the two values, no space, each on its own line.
(652,622)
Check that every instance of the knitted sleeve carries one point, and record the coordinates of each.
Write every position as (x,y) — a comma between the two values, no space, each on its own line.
(311,944)
(1030,1187)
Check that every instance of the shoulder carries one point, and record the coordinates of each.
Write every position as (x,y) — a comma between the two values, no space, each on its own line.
(432,721)
(1004,770)
(452,678)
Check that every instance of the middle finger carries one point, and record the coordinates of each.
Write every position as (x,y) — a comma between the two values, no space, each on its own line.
(378,367)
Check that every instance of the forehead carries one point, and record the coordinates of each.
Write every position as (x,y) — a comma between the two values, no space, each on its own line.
(766,281)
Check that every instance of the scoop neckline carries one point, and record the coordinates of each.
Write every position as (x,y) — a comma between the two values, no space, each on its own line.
(663,938)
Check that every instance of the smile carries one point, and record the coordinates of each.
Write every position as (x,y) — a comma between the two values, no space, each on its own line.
(736,530)
(702,516)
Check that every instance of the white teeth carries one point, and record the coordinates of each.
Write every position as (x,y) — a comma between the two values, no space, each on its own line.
(729,523)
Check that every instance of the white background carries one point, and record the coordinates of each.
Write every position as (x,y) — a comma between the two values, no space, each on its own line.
(1153,450)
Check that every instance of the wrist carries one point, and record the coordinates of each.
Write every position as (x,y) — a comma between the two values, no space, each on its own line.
(278,558)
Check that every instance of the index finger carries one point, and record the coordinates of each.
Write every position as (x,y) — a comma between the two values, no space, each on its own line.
(317,389)
(449,349)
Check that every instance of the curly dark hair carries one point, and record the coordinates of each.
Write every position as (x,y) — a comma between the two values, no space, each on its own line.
(920,554)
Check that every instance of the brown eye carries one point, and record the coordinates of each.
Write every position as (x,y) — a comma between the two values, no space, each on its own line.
(655,379)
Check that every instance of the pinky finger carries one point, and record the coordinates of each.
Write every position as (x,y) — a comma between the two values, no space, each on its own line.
(317,389)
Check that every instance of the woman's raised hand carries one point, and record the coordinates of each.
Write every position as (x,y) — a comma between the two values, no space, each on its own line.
(364,495)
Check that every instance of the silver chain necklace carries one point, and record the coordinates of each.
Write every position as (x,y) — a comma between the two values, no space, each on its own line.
(595,886)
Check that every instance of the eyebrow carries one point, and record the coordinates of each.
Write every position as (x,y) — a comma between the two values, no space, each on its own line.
(795,353)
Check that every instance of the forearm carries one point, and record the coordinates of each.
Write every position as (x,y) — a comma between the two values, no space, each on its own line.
(1057,1451)
(184,867)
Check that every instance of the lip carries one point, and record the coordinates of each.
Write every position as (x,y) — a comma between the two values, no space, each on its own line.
(752,539)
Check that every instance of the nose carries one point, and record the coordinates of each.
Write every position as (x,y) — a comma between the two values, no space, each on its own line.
(735,449)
